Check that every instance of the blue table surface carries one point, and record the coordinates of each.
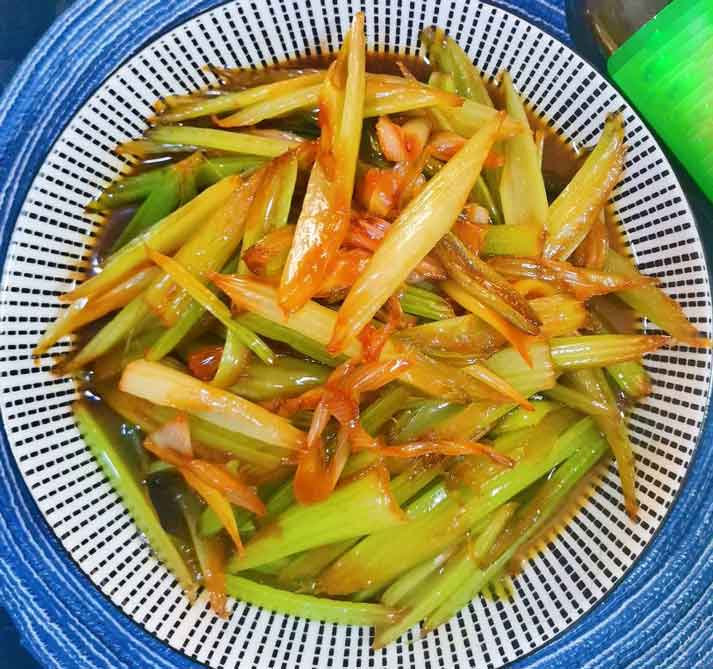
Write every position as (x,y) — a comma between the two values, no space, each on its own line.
(21,25)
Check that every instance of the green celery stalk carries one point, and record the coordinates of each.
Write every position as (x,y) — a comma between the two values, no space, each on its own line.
(285,378)
(425,303)
(292,338)
(221,140)
(591,351)
(128,322)
(307,606)
(384,555)
(516,239)
(631,377)
(412,423)
(578,400)
(521,418)
(166,237)
(233,360)
(302,527)
(133,494)
(209,524)
(112,363)
(527,523)
(380,411)
(438,587)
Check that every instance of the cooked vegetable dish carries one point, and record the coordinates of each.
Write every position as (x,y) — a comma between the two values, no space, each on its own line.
(355,337)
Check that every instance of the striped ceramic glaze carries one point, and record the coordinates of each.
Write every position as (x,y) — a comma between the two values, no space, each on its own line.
(47,249)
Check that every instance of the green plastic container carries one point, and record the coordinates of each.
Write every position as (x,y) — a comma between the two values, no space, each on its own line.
(666,70)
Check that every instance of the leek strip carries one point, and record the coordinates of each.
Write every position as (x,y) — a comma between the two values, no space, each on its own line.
(307,606)
(133,494)
(167,387)
(166,236)
(416,231)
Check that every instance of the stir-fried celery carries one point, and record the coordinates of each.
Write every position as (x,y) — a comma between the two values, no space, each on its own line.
(365,358)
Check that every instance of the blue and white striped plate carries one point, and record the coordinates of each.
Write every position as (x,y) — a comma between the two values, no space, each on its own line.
(75,573)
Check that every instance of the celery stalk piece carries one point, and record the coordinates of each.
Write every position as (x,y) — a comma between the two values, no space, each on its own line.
(133,494)
(127,190)
(448,57)
(296,340)
(528,522)
(271,207)
(384,555)
(210,524)
(412,423)
(162,200)
(308,565)
(471,117)
(324,218)
(438,588)
(166,236)
(177,187)
(280,500)
(112,363)
(576,208)
(578,400)
(125,324)
(87,310)
(521,418)
(652,303)
(233,360)
(416,231)
(211,303)
(559,315)
(396,96)
(221,140)
(214,169)
(522,240)
(593,382)
(591,351)
(380,411)
(631,377)
(240,99)
(482,195)
(522,188)
(307,606)
(167,387)
(313,320)
(149,417)
(484,283)
(305,98)
(286,378)
(425,303)
(190,318)
(361,507)
(207,250)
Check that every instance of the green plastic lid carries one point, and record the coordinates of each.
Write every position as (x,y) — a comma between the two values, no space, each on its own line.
(666,71)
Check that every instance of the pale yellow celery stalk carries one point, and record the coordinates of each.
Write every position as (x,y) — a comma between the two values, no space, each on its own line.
(165,386)
(559,315)
(577,207)
(86,310)
(207,250)
(222,140)
(166,236)
(416,231)
(324,219)
(195,108)
(522,188)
